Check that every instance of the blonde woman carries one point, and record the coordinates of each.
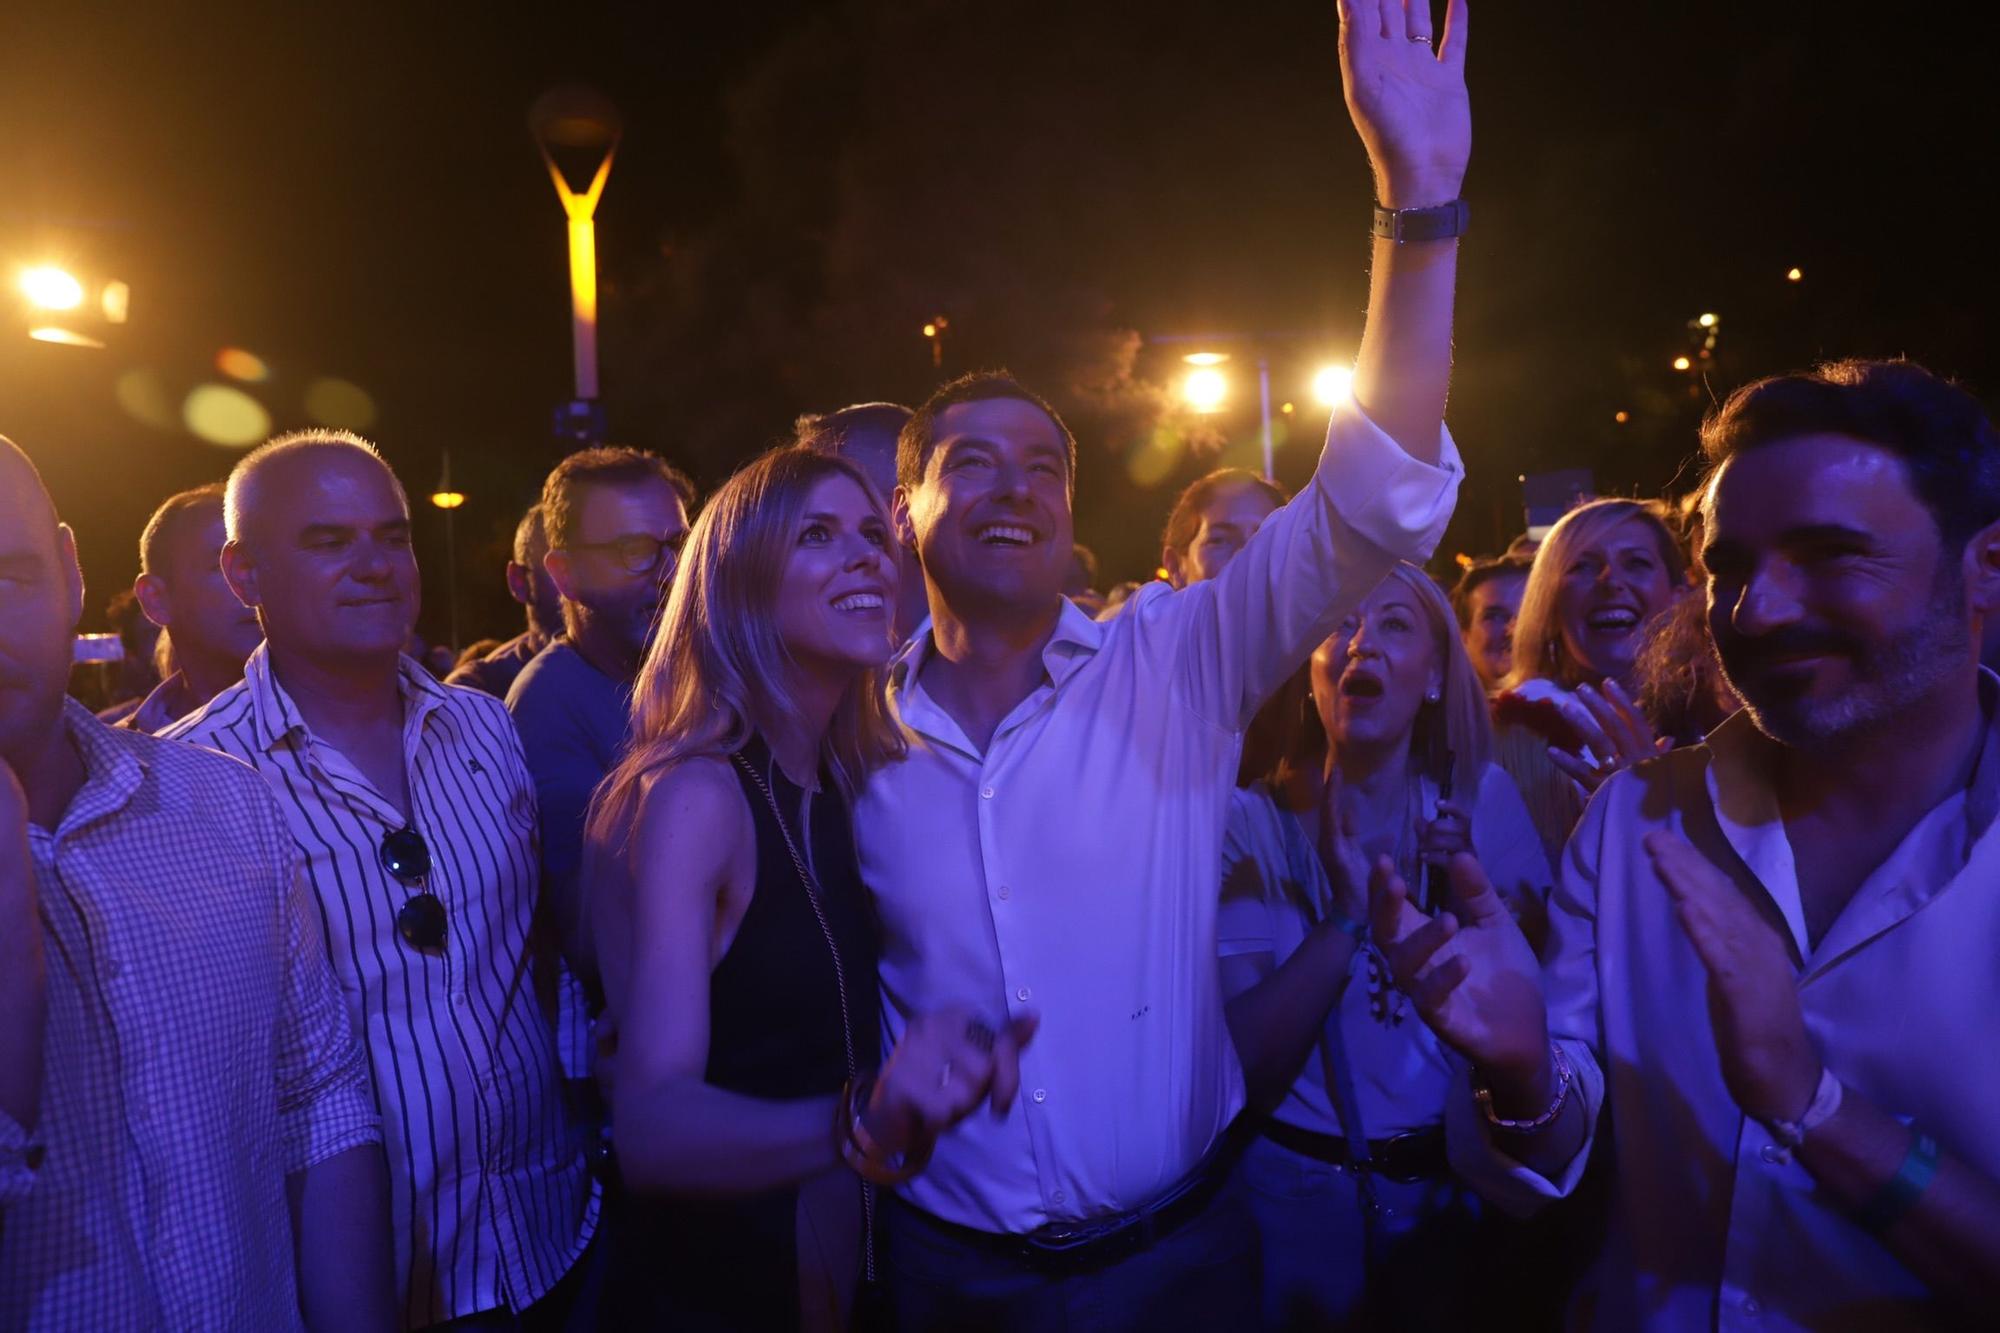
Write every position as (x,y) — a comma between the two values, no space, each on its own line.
(733,932)
(1568,716)
(1393,758)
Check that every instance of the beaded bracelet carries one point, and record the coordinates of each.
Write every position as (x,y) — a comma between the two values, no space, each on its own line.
(1564,1077)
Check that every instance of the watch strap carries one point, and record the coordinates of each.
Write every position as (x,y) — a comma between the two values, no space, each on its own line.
(1441,222)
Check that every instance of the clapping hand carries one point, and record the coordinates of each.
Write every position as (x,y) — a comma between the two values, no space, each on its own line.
(1621,736)
(1408,99)
(1469,970)
(1769,1061)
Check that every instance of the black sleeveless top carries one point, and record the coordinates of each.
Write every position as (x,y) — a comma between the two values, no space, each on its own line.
(775,1031)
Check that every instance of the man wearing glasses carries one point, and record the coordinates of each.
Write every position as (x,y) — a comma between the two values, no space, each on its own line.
(415,815)
(616,520)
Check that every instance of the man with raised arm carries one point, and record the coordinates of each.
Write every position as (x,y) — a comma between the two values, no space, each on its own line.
(1772,956)
(1052,843)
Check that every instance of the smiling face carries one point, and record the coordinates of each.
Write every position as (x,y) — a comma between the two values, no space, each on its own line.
(1228,520)
(1489,636)
(323,552)
(1611,588)
(837,597)
(990,516)
(1831,599)
(1378,669)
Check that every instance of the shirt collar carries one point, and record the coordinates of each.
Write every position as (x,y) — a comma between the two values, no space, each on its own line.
(1076,639)
(112,765)
(276,717)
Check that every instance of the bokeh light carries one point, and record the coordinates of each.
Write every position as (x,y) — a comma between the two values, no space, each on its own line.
(448,499)
(1682,363)
(1205,389)
(1153,459)
(225,416)
(1795,275)
(336,402)
(50,333)
(116,299)
(143,395)
(50,288)
(1334,385)
(241,365)
(1205,358)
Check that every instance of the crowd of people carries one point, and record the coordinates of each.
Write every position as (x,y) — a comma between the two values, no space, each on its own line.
(831,911)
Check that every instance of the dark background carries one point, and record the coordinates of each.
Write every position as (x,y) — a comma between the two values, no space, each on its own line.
(352,192)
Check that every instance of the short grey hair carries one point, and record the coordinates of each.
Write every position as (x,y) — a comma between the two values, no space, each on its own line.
(237,494)
(530,532)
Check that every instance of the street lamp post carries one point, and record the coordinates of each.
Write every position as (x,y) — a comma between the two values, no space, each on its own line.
(1206,388)
(582,126)
(449,500)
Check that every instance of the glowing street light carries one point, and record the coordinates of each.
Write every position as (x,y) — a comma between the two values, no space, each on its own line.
(1682,363)
(1205,389)
(579,120)
(50,288)
(449,498)
(1334,385)
(1795,275)
(1707,321)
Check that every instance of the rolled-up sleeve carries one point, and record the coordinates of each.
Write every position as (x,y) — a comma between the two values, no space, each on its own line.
(326,1103)
(1369,504)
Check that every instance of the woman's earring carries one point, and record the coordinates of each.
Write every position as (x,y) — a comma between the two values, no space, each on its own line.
(1433,697)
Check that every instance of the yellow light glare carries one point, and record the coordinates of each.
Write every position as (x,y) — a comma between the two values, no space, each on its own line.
(1794,276)
(1205,358)
(50,288)
(1205,388)
(116,300)
(225,416)
(930,330)
(448,499)
(1622,417)
(1682,363)
(1287,409)
(143,395)
(1707,321)
(1334,385)
(49,333)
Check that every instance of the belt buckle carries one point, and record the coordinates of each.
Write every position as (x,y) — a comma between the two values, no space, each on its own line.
(1389,1159)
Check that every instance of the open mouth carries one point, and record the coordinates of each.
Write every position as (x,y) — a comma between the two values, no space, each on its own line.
(1006,534)
(1360,685)
(859,601)
(1612,620)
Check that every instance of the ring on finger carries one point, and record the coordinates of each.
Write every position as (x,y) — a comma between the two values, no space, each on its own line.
(1424,39)
(944,1075)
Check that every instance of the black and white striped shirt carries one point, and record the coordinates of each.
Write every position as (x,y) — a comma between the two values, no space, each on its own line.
(491,1199)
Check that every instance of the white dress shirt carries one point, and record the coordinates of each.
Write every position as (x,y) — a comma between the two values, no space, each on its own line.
(1711,1226)
(1402,1074)
(487,1186)
(1069,869)
(196,1052)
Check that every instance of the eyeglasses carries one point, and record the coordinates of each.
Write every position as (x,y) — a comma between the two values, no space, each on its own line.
(635,553)
(407,856)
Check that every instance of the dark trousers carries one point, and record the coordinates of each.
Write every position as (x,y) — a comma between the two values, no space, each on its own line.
(1203,1275)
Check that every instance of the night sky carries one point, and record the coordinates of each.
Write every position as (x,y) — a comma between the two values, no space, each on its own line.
(352,192)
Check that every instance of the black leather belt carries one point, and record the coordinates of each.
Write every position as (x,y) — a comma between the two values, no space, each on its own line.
(1405,1159)
(1076,1247)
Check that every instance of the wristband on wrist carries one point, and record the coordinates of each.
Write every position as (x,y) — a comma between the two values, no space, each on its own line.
(858,1148)
(1826,1101)
(1441,222)
(1900,1192)
(1564,1077)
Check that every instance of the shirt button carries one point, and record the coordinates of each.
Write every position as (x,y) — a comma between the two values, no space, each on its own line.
(1773,1154)
(1023,994)
(458,998)
(1751,1308)
(1059,1197)
(986,792)
(1041,1094)
(1004,892)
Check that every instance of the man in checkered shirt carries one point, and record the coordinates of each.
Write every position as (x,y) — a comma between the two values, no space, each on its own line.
(187,1137)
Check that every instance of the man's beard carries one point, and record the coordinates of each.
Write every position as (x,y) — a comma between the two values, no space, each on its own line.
(1888,678)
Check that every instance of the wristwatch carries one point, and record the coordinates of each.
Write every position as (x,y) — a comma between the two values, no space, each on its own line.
(1438,223)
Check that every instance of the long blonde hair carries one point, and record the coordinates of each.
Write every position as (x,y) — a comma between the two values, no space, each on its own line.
(1459,723)
(717,670)
(1539,652)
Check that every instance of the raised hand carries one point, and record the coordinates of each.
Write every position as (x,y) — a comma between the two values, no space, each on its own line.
(947,1064)
(1469,970)
(1769,1060)
(1622,735)
(1407,99)
(1340,851)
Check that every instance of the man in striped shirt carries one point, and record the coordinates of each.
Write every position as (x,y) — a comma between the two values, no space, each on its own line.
(186,1134)
(416,816)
